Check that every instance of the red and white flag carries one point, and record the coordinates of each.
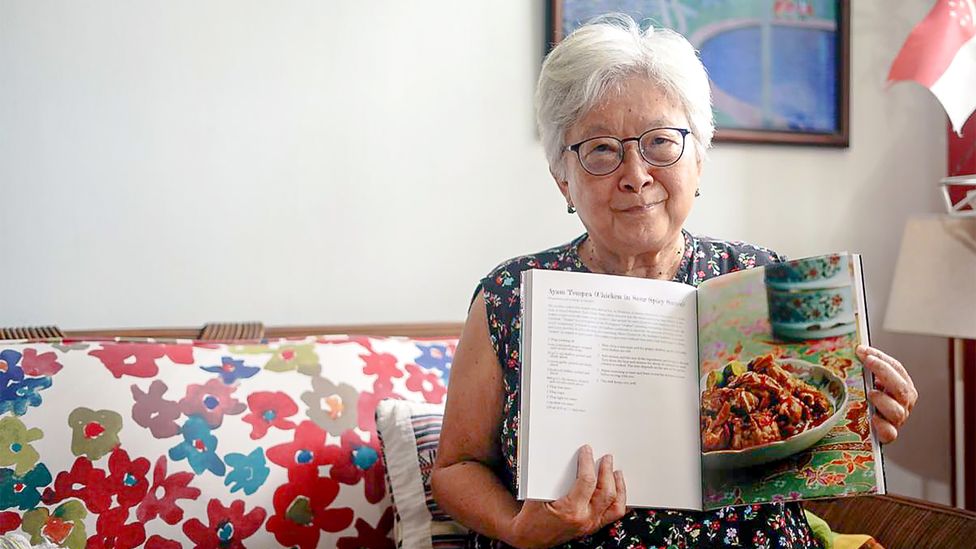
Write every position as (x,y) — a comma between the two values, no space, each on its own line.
(940,54)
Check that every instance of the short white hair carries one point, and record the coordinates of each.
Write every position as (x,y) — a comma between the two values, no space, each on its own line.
(600,54)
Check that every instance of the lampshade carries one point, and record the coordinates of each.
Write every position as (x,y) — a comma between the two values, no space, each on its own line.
(934,289)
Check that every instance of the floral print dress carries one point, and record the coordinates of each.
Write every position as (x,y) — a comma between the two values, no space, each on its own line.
(760,526)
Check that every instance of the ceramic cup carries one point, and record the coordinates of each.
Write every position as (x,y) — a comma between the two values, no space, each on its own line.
(811,314)
(828,271)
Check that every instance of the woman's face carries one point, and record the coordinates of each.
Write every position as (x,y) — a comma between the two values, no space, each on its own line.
(638,208)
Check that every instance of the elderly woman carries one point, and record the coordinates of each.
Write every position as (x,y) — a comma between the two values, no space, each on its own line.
(625,117)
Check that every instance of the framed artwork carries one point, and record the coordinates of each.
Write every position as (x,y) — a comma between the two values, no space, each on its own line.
(779,69)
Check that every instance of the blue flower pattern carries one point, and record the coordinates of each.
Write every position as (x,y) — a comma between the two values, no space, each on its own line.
(23,492)
(18,393)
(231,370)
(10,370)
(436,357)
(248,472)
(19,397)
(198,447)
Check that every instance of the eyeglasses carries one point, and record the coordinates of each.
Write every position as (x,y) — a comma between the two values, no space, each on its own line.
(659,147)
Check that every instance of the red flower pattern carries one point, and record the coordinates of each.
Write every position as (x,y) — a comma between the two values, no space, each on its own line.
(857,419)
(139,359)
(820,476)
(174,488)
(44,364)
(427,383)
(9,520)
(127,478)
(114,533)
(211,401)
(383,365)
(305,453)
(366,405)
(159,542)
(371,538)
(269,410)
(228,525)
(302,511)
(84,482)
(850,462)
(348,470)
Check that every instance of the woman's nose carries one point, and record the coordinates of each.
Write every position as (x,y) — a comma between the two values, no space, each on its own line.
(634,171)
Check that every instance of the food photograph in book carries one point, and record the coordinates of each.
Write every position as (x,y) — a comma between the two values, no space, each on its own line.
(783,409)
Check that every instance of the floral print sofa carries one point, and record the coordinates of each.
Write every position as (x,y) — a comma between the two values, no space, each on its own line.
(180,443)
(168,443)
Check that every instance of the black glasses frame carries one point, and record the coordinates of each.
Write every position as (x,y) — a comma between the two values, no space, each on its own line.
(620,160)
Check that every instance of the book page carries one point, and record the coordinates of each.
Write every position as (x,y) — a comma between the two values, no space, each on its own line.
(864,338)
(611,362)
(784,413)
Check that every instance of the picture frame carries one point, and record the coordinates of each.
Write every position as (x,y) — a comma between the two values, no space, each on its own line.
(779,69)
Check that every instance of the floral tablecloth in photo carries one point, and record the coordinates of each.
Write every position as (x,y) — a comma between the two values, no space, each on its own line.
(735,325)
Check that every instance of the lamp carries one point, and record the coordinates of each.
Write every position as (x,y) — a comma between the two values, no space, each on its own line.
(934,293)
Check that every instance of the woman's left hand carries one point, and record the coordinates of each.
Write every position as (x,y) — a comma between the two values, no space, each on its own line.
(894,394)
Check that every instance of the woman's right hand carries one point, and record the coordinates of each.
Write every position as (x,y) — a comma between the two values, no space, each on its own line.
(597,498)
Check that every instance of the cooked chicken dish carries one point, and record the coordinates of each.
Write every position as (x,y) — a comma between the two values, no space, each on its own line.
(762,404)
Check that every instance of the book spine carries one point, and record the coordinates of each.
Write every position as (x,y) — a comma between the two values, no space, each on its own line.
(522,440)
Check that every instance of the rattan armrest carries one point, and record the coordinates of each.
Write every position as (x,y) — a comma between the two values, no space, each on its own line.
(899,521)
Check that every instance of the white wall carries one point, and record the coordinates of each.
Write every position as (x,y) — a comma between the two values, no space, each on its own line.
(172,163)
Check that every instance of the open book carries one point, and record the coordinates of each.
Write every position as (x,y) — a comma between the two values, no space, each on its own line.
(743,390)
